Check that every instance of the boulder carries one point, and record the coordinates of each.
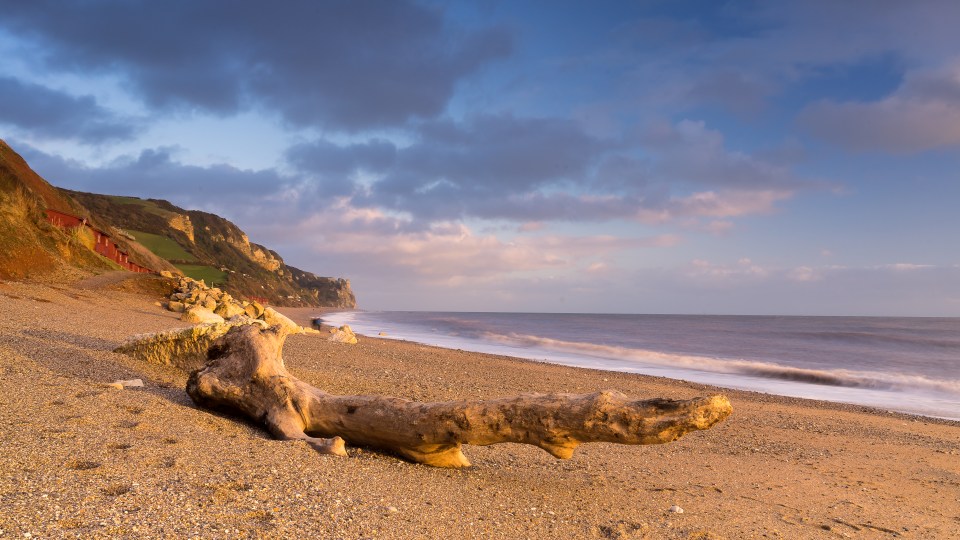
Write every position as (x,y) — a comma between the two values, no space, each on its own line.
(273,317)
(209,303)
(166,274)
(228,309)
(200,315)
(254,309)
(344,334)
(176,307)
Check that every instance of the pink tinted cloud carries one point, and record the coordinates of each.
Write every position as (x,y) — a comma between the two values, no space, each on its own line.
(922,114)
(720,206)
(449,252)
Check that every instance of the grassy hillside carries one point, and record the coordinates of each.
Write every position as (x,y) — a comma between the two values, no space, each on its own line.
(210,275)
(206,246)
(163,246)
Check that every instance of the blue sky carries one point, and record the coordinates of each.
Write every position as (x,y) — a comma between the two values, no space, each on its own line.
(645,157)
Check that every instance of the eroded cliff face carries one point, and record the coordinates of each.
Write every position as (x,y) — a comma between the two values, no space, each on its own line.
(264,258)
(31,246)
(326,291)
(182,223)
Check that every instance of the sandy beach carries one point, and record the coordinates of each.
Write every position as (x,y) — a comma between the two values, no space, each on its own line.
(80,459)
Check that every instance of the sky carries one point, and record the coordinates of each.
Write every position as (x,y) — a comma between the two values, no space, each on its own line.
(711,157)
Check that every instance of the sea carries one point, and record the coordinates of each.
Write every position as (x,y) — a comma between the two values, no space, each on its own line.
(909,365)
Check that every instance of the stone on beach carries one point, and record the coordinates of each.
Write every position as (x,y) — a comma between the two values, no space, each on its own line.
(130,383)
(344,334)
(228,309)
(273,317)
(200,315)
(254,309)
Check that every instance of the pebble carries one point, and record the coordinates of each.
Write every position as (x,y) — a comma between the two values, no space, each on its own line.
(392,510)
(676,509)
(132,383)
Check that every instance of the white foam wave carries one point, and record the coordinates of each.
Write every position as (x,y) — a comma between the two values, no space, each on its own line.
(832,377)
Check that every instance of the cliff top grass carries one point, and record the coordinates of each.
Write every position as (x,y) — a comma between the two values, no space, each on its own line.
(210,275)
(145,205)
(162,246)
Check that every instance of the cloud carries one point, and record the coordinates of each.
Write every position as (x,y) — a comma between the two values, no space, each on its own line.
(343,65)
(40,111)
(922,114)
(753,59)
(705,272)
(749,287)
(711,204)
(154,173)
(542,169)
(447,253)
(743,92)
(689,151)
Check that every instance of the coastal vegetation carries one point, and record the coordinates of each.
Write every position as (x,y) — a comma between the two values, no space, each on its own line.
(208,274)
(163,247)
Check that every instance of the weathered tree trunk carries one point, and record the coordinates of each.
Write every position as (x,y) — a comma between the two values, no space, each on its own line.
(245,372)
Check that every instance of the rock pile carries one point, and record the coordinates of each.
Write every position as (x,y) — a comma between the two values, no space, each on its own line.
(209,306)
(200,304)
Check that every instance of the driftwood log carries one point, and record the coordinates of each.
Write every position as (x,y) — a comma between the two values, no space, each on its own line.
(245,373)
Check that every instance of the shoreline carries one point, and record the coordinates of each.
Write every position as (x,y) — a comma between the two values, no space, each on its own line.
(304,316)
(82,459)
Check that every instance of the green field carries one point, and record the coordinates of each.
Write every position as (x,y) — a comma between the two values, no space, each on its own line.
(162,246)
(147,206)
(210,275)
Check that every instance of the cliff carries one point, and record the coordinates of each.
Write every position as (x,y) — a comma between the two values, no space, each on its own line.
(31,247)
(209,247)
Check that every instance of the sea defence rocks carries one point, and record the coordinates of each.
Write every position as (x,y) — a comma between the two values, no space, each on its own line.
(200,304)
(229,309)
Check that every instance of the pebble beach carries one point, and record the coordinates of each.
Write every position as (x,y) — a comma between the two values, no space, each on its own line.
(82,459)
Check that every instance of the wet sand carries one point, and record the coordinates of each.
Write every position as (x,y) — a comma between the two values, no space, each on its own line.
(78,459)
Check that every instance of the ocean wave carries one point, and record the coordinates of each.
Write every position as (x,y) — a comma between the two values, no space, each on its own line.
(874,337)
(770,370)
